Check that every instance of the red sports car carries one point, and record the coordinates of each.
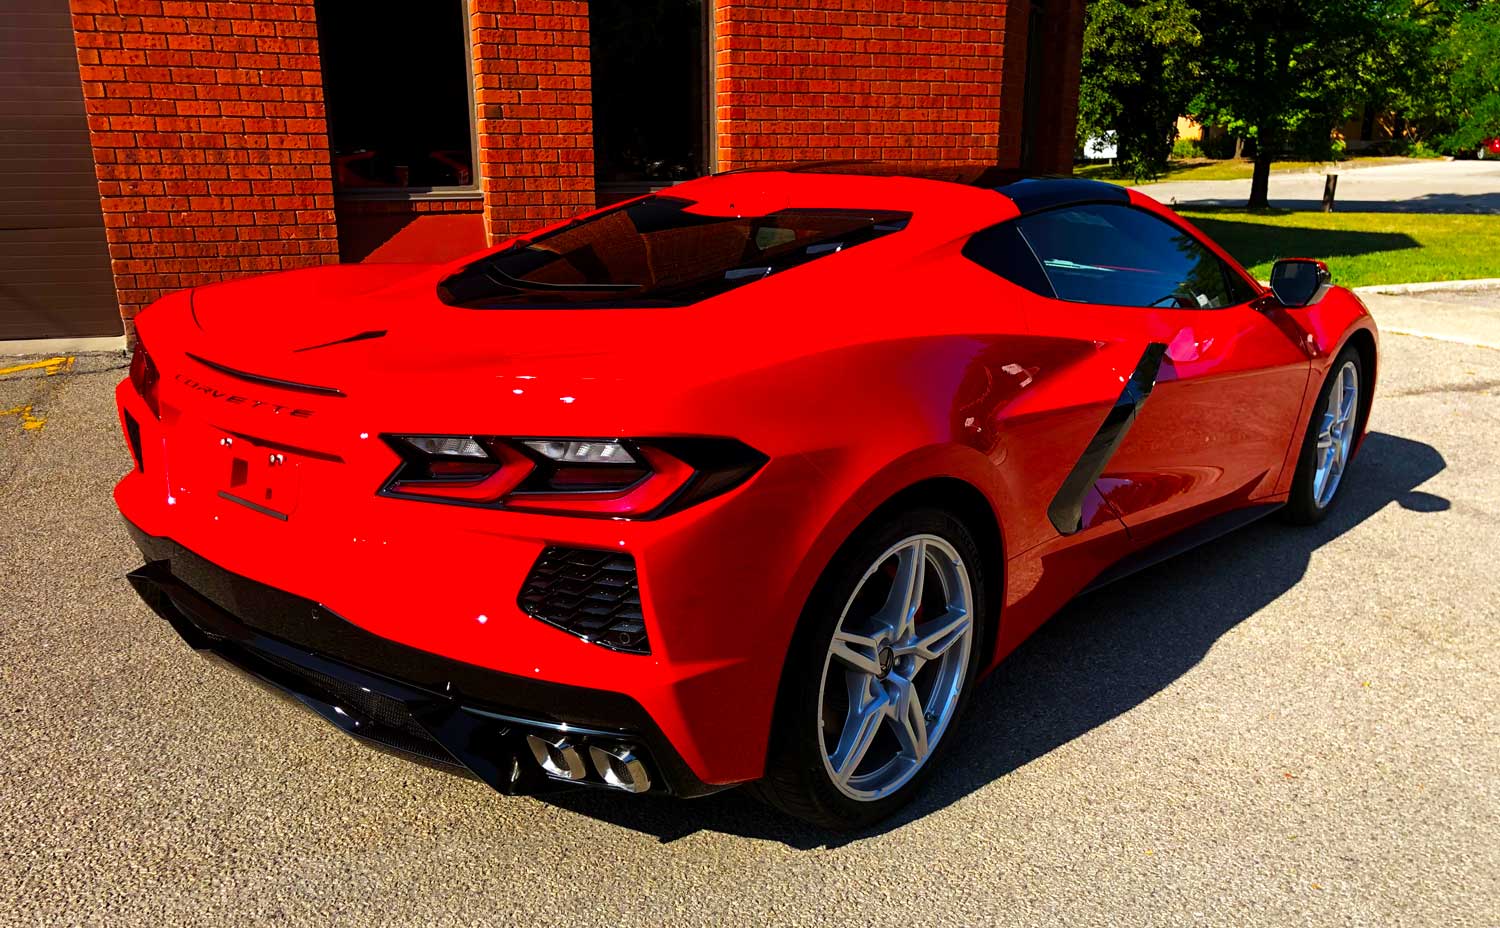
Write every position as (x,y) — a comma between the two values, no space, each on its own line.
(747,482)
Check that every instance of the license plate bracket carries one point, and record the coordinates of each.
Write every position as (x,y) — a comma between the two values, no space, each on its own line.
(259,478)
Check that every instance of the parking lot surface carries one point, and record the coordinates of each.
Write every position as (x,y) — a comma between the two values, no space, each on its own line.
(1287,727)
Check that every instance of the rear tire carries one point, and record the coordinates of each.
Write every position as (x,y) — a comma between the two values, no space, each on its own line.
(1328,447)
(874,685)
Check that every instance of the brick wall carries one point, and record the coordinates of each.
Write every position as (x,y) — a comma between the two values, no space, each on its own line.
(207,125)
(907,81)
(883,79)
(531,90)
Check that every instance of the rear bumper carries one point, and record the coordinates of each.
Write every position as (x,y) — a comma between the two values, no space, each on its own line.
(721,584)
(434,709)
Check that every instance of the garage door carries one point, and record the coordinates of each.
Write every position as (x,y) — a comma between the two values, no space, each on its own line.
(54,262)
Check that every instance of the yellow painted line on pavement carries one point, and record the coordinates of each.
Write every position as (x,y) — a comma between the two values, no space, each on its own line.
(29,422)
(50,365)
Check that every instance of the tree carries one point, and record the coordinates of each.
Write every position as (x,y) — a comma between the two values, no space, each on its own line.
(1137,78)
(1417,82)
(1471,55)
(1288,69)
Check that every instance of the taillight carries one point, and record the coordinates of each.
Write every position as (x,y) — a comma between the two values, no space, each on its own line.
(144,377)
(613,478)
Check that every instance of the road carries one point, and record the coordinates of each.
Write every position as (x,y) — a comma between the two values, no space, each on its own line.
(1288,727)
(1426,187)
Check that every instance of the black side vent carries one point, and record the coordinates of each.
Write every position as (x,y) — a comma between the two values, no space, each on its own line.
(133,435)
(592,594)
(1066,511)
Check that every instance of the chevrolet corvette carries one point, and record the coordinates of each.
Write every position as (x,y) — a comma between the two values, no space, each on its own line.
(746,482)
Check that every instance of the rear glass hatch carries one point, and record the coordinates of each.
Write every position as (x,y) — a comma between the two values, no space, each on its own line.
(658,251)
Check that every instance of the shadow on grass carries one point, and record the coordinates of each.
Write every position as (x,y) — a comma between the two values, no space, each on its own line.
(1101,657)
(1254,243)
(1431,204)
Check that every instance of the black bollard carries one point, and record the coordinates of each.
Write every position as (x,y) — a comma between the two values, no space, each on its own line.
(1329,186)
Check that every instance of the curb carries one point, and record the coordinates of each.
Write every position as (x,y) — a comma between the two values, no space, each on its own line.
(1484,283)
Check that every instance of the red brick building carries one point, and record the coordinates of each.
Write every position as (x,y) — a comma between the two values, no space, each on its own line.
(231,138)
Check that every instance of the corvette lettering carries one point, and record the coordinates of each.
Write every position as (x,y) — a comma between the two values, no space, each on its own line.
(194,384)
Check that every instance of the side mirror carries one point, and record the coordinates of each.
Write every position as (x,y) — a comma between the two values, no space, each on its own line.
(1299,282)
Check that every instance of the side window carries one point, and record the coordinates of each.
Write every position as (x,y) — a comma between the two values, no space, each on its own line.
(1118,256)
(1001,250)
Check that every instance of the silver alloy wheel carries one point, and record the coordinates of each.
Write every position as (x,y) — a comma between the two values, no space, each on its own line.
(895,667)
(1336,434)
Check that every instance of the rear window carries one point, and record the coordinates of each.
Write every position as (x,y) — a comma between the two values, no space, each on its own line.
(658,251)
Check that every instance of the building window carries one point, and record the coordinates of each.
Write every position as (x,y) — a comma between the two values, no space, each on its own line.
(650,93)
(396,79)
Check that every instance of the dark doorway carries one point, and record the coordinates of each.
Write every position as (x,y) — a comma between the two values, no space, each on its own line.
(650,94)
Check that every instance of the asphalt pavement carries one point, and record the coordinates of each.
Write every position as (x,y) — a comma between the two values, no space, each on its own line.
(1435,186)
(1287,727)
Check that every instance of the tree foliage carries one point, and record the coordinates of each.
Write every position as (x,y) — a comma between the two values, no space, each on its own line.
(1138,76)
(1470,56)
(1440,71)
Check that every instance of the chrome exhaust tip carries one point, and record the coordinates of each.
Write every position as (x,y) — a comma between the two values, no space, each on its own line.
(558,757)
(620,768)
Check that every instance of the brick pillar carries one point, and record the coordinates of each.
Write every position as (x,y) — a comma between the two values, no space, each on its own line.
(209,139)
(1064,73)
(1057,116)
(531,89)
(828,79)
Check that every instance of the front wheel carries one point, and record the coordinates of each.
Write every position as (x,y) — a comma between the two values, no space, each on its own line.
(1329,443)
(880,672)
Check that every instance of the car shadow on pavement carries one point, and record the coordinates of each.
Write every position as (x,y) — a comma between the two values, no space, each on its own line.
(1102,656)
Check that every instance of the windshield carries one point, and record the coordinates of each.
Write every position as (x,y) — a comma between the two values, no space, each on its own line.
(658,252)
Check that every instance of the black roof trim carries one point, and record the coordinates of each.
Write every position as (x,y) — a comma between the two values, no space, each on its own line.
(1031,193)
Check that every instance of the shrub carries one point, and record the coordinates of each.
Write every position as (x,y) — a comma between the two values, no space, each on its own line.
(1185,149)
(1419,149)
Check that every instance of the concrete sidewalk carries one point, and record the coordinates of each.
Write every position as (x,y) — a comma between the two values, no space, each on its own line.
(1463,317)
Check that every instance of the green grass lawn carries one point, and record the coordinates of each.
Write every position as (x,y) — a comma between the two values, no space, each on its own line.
(1361,248)
(1232,170)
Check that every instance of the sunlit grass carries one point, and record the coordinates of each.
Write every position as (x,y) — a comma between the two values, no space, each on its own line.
(1361,249)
